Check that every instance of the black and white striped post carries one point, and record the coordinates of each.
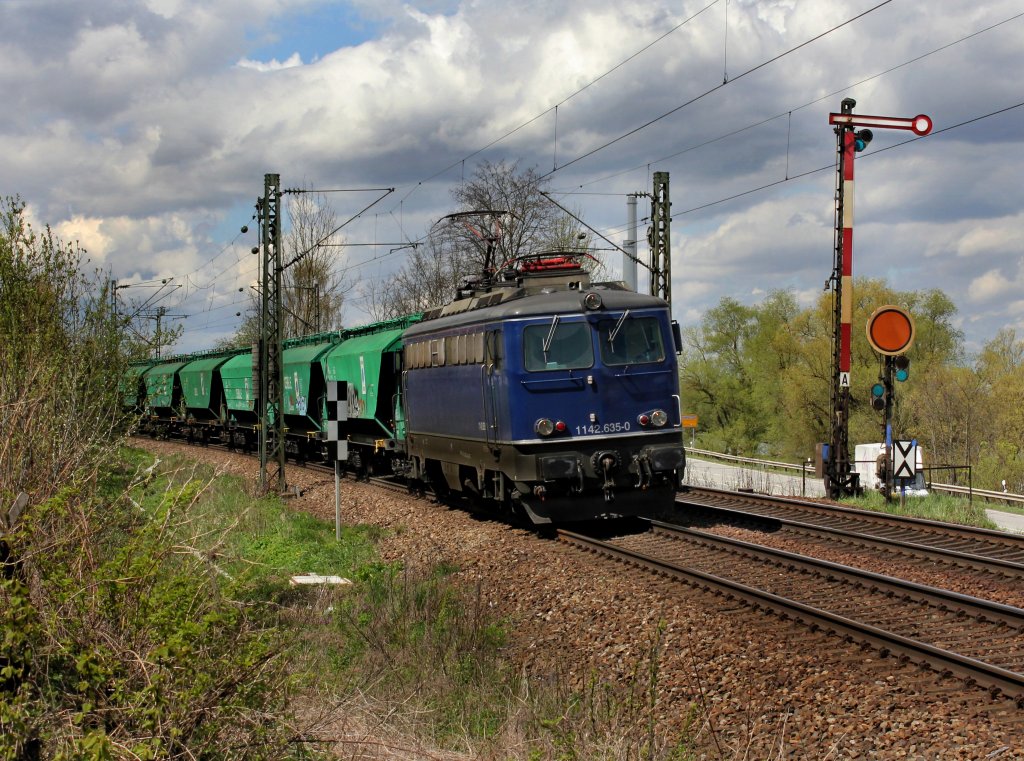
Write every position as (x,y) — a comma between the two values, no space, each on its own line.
(337,445)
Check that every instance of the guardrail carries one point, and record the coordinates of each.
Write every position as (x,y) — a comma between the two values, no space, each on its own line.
(751,461)
(989,495)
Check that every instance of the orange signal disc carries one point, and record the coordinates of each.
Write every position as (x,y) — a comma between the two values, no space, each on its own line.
(890,330)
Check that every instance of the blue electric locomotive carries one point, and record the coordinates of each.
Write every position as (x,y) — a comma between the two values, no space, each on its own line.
(548,394)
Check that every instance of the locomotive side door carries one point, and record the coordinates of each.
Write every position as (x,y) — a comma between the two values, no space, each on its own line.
(490,381)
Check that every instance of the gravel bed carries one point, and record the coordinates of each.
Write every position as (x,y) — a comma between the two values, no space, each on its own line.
(579,616)
(976,584)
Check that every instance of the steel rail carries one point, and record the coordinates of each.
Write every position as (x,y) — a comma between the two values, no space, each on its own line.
(975,606)
(1014,542)
(1005,681)
(952,557)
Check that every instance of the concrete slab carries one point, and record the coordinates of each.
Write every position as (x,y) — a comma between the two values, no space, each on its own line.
(715,475)
(1007,521)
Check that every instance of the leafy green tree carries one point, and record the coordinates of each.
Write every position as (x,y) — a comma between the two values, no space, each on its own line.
(719,379)
(999,423)
(951,418)
(61,352)
(760,377)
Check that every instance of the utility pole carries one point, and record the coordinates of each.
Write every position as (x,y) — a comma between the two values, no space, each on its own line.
(629,257)
(271,367)
(158,314)
(659,238)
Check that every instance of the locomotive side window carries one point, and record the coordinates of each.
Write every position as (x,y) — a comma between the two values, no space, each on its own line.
(476,348)
(631,341)
(492,347)
(558,346)
(437,353)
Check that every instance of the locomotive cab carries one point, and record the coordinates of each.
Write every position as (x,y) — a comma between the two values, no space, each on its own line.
(594,411)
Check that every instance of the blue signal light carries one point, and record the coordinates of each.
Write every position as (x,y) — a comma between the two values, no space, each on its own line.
(863,137)
(878,396)
(902,367)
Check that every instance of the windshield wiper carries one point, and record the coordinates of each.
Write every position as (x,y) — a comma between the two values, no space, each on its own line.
(551,336)
(618,327)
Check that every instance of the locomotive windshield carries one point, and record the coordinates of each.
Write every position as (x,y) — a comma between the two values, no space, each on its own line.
(558,345)
(631,340)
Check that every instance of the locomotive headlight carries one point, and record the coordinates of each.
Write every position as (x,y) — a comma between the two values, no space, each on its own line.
(544,427)
(659,418)
(592,300)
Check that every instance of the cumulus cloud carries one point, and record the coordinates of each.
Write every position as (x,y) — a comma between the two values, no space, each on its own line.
(273,64)
(145,129)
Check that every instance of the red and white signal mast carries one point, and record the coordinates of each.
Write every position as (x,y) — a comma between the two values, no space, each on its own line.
(840,477)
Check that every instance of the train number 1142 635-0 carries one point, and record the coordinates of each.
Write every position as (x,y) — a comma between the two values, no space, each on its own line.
(618,427)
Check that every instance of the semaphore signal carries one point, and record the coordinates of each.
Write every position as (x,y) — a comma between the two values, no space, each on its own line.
(853,135)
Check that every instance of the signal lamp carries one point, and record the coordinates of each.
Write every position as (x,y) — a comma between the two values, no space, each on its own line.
(862,138)
(544,427)
(902,366)
(560,426)
(878,396)
(643,419)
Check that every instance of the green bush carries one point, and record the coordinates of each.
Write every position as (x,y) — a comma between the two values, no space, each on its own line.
(120,643)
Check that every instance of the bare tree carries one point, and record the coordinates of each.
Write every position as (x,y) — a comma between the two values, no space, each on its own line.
(314,290)
(430,277)
(521,221)
(531,223)
(566,235)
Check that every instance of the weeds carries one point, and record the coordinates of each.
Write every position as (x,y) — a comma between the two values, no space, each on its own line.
(120,643)
(936,507)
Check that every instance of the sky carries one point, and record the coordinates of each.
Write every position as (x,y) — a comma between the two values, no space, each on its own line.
(143,130)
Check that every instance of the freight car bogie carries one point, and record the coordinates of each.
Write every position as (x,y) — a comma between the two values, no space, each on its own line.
(242,438)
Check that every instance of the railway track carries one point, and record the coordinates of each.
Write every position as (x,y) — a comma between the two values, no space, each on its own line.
(995,552)
(979,641)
